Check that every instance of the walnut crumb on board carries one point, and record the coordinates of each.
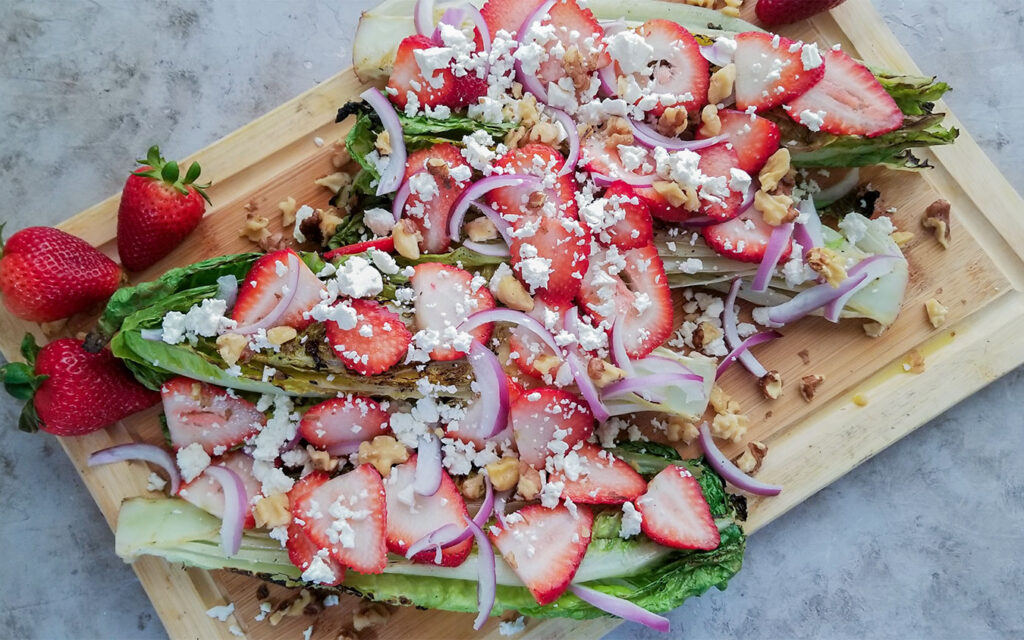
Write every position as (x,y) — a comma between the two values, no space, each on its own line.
(749,461)
(288,207)
(805,356)
(771,385)
(936,311)
(873,329)
(809,386)
(370,615)
(936,218)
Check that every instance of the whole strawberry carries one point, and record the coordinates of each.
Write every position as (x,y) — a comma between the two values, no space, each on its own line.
(47,274)
(159,207)
(71,392)
(773,12)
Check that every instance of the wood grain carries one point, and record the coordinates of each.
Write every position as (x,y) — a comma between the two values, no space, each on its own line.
(979,278)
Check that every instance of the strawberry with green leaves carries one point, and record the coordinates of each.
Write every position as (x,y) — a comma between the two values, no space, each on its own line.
(159,208)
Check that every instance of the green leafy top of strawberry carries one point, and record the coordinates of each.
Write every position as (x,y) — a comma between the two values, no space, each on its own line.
(168,171)
(21,381)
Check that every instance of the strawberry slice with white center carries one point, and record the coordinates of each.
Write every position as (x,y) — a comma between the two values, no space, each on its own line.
(672,73)
(408,83)
(437,176)
(593,475)
(848,101)
(544,547)
(743,238)
(633,226)
(467,428)
(378,341)
(215,418)
(412,516)
(675,513)
(772,70)
(445,297)
(508,15)
(722,200)
(752,137)
(571,27)
(630,291)
(208,495)
(617,162)
(346,515)
(268,282)
(533,356)
(539,160)
(546,421)
(316,562)
(338,425)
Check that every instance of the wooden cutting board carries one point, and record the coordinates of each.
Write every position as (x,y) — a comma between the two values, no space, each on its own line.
(980,278)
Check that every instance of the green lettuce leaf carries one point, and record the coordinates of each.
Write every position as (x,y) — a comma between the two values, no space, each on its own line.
(915,95)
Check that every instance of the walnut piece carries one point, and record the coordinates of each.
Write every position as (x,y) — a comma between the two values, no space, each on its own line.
(873,329)
(673,121)
(771,385)
(711,124)
(775,208)
(407,239)
(528,486)
(677,196)
(472,486)
(335,181)
(544,132)
(370,615)
(774,170)
(937,312)
(383,452)
(809,386)
(730,426)
(749,461)
(721,84)
(480,229)
(383,143)
(272,511)
(281,335)
(230,347)
(936,217)
(705,334)
(340,157)
(603,373)
(902,238)
(504,473)
(680,429)
(828,264)
(287,207)
(321,460)
(255,227)
(291,608)
(511,293)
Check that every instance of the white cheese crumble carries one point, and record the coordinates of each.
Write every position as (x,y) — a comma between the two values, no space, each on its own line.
(631,520)
(192,461)
(221,612)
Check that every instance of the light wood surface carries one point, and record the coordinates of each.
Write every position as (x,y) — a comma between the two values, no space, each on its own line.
(980,278)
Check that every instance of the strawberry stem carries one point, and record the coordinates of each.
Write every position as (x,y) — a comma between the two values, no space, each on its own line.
(156,167)
(21,381)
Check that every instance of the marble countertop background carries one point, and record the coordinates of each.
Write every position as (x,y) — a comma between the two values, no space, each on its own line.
(923,541)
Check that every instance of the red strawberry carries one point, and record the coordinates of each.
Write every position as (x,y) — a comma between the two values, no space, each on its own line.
(407,77)
(338,425)
(605,160)
(773,12)
(69,391)
(743,238)
(412,516)
(849,100)
(541,416)
(265,286)
(445,297)
(47,274)
(573,26)
(301,548)
(679,69)
(508,14)
(770,72)
(159,207)
(641,308)
(377,342)
(602,479)
(752,137)
(215,418)
(387,245)
(539,160)
(208,495)
(675,513)
(346,515)
(468,428)
(528,347)
(634,226)
(544,547)
(718,161)
(434,190)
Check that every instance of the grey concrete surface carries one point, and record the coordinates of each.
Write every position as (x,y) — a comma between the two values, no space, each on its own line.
(923,541)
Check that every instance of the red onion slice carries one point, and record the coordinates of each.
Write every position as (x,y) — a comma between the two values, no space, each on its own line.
(401,197)
(477,190)
(573,137)
(777,243)
(730,472)
(530,81)
(340,449)
(492,386)
(455,16)
(500,500)
(513,317)
(500,223)
(604,180)
(649,137)
(423,17)
(620,608)
(486,581)
(236,507)
(392,176)
(609,80)
(428,466)
(450,534)
(661,364)
(810,299)
(874,268)
(290,288)
(848,183)
(808,234)
(714,54)
(494,249)
(642,384)
(732,336)
(752,341)
(587,388)
(618,351)
(137,451)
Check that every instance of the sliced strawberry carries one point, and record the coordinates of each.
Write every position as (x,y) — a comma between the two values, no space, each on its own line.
(445,297)
(633,227)
(387,245)
(719,161)
(467,428)
(340,424)
(675,513)
(544,547)
(543,415)
(743,238)
(539,160)
(849,100)
(208,495)
(752,137)
(770,72)
(267,282)
(576,27)
(377,342)
(551,257)
(641,307)
(215,418)
(407,77)
(677,68)
(593,475)
(603,158)
(412,516)
(301,548)
(432,173)
(347,515)
(532,356)
(508,14)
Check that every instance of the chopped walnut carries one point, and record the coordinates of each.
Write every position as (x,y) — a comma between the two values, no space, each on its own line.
(913,362)
(472,486)
(288,207)
(527,110)
(721,84)
(536,200)
(677,196)
(370,615)
(335,181)
(673,121)
(407,239)
(545,133)
(577,68)
(528,487)
(603,373)
(775,208)
(272,511)
(804,355)
(255,227)
(774,170)
(771,385)
(619,132)
(511,293)
(438,168)
(705,334)
(902,238)
(504,473)
(730,426)
(711,124)
(291,608)
(383,453)
(281,335)
(937,312)
(514,137)
(546,362)
(828,264)
(481,229)
(873,329)
(749,461)
(680,429)
(230,347)
(809,386)
(329,221)
(936,217)
(340,157)
(321,460)
(383,143)
(732,8)
(721,402)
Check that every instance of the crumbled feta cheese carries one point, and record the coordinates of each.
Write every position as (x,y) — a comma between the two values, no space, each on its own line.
(192,461)
(379,221)
(631,520)
(512,627)
(221,612)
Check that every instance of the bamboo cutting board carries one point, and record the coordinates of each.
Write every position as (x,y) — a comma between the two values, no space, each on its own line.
(980,278)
